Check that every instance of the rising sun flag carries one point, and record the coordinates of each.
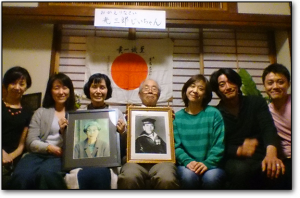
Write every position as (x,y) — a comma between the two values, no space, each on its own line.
(128,63)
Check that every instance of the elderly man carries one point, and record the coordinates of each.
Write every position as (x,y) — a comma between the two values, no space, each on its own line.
(162,175)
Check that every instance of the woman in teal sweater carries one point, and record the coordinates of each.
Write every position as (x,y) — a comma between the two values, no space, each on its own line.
(199,138)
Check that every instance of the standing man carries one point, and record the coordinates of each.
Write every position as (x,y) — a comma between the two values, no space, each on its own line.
(148,141)
(250,135)
(276,79)
(161,175)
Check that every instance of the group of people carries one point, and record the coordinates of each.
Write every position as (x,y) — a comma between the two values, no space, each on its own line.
(242,143)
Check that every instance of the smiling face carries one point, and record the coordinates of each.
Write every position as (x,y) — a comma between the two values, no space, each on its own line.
(276,85)
(98,93)
(227,89)
(149,93)
(60,93)
(16,89)
(196,92)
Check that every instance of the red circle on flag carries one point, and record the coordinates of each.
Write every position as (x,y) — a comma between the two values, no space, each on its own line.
(129,70)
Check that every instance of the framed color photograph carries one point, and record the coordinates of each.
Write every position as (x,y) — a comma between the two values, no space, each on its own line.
(150,135)
(91,139)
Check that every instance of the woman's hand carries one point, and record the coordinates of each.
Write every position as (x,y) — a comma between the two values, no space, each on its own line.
(63,123)
(197,167)
(6,158)
(121,126)
(54,150)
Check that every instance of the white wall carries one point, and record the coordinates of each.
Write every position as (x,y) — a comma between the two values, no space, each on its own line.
(281,8)
(283,51)
(28,45)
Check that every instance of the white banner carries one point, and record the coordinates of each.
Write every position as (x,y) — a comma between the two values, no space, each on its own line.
(128,62)
(152,19)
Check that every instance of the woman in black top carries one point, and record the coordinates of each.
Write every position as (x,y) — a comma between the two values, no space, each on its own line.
(15,118)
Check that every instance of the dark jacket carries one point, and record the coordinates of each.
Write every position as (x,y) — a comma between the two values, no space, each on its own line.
(144,144)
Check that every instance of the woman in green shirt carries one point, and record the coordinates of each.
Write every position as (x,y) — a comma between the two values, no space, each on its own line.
(199,138)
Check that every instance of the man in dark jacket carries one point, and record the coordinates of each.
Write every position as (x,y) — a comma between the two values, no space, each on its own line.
(251,139)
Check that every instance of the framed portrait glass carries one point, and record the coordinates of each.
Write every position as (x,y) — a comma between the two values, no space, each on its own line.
(150,135)
(91,140)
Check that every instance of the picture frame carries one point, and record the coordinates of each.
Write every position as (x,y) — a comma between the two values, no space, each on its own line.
(32,101)
(140,147)
(97,127)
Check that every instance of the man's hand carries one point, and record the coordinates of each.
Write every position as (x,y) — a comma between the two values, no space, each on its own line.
(248,148)
(272,164)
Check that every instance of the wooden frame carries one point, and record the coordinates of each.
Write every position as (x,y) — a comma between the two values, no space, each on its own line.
(76,152)
(228,18)
(140,148)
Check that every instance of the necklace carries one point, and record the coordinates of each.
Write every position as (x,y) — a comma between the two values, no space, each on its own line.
(9,108)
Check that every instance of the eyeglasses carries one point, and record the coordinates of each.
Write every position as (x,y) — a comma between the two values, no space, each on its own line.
(147,89)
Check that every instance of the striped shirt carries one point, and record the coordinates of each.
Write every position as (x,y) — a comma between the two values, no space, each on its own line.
(199,137)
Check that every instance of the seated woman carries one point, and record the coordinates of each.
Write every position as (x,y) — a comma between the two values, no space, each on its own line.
(97,89)
(41,167)
(15,119)
(199,138)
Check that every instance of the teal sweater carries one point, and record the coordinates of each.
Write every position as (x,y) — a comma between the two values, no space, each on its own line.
(199,137)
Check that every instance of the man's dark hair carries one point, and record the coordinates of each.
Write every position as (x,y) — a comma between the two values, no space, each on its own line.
(276,69)
(232,76)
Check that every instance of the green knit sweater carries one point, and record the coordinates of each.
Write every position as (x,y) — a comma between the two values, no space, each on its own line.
(199,137)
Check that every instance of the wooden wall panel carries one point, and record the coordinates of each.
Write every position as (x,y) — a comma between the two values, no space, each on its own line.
(222,48)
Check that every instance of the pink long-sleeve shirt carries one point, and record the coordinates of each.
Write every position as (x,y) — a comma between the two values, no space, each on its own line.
(282,119)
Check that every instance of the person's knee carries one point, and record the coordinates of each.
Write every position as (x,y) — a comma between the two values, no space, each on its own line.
(214,179)
(165,181)
(131,177)
(131,171)
(214,174)
(188,179)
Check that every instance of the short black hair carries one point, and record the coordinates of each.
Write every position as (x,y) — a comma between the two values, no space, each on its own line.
(276,69)
(96,78)
(14,74)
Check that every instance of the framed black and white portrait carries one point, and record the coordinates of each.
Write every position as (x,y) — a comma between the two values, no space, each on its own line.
(91,139)
(150,135)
